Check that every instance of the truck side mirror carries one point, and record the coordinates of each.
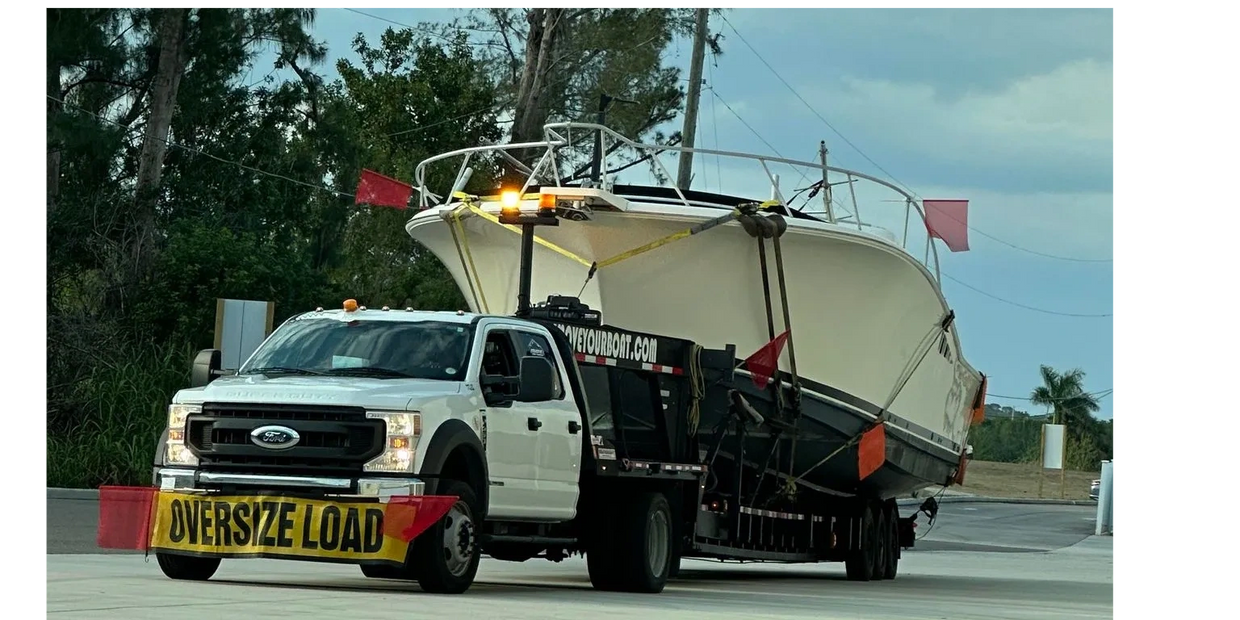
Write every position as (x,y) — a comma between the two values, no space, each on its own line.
(206,367)
(537,380)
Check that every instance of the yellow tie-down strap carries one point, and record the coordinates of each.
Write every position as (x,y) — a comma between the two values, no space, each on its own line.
(468,201)
(676,236)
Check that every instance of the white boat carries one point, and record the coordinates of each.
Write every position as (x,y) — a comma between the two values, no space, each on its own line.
(864,311)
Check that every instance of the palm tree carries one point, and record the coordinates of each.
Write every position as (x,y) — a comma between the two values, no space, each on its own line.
(1065,394)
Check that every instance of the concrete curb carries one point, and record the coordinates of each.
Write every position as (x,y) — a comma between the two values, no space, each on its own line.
(82,494)
(93,494)
(969,499)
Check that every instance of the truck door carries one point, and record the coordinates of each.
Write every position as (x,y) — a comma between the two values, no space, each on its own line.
(511,444)
(559,432)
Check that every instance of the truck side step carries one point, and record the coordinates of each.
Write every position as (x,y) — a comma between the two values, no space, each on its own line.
(549,541)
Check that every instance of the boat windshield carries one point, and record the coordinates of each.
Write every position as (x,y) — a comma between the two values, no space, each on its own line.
(381,349)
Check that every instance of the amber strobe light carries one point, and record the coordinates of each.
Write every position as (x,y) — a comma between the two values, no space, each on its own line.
(546,202)
(510,201)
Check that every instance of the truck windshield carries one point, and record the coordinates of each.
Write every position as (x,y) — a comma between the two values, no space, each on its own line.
(383,349)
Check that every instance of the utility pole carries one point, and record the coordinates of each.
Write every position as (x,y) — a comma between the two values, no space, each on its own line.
(695,93)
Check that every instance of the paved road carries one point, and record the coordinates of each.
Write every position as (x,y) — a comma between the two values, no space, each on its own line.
(980,561)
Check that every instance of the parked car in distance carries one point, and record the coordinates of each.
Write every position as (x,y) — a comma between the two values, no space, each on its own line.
(1093,489)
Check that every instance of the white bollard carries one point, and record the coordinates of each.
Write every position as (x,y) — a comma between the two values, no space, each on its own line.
(1104,521)
(1111,510)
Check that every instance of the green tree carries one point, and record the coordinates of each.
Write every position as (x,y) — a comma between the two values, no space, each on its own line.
(406,100)
(1064,393)
(554,65)
(245,183)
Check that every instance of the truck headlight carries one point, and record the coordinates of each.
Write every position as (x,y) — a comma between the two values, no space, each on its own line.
(175,450)
(400,442)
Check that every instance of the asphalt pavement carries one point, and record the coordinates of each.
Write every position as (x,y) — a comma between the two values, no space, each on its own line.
(978,561)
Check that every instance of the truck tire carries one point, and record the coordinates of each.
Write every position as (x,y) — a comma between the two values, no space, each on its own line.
(643,552)
(187,567)
(859,563)
(446,555)
(383,571)
(893,539)
(601,554)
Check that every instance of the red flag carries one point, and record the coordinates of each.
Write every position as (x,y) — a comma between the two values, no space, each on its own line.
(765,361)
(376,189)
(125,517)
(409,516)
(949,220)
(872,452)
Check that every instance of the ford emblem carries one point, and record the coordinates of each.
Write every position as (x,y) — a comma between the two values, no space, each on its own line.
(274,437)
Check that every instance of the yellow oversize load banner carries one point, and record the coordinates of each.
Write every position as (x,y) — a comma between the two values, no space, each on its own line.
(234,526)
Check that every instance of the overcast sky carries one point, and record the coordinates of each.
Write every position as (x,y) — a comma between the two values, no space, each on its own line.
(1010,109)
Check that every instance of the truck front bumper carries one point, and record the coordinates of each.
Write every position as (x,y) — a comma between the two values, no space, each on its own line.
(181,479)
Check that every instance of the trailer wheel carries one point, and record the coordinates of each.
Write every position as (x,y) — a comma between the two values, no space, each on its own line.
(859,563)
(187,567)
(446,555)
(643,551)
(882,541)
(893,539)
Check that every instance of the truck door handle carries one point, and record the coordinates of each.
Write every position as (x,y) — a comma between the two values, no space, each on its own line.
(573,427)
(534,424)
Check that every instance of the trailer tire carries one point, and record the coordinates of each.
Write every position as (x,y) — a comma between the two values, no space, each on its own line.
(446,555)
(893,539)
(859,563)
(882,541)
(187,567)
(644,545)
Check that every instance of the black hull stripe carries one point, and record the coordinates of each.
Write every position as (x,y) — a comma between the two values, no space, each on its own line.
(814,388)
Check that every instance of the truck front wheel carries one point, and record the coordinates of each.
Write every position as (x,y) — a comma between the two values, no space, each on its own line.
(446,555)
(187,567)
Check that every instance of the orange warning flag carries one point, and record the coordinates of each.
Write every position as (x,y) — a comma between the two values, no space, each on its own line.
(764,362)
(407,517)
(872,452)
(382,191)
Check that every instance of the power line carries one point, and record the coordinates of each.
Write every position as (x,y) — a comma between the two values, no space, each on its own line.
(711,88)
(1100,394)
(209,155)
(1018,304)
(449,120)
(884,171)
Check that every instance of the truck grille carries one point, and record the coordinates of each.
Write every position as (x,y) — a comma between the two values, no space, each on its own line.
(336,440)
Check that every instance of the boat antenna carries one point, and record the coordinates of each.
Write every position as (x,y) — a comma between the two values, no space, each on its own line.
(604,103)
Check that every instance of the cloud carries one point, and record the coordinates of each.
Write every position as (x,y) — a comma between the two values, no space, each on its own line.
(1043,132)
(949,48)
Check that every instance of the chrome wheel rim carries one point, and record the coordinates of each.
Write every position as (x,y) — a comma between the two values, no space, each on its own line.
(657,542)
(458,539)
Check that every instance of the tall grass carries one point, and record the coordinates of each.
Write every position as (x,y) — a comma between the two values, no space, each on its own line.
(112,417)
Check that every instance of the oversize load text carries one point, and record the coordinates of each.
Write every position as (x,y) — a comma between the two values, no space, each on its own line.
(272,526)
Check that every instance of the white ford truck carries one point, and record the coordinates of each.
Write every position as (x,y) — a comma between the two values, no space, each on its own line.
(411,443)
(379,403)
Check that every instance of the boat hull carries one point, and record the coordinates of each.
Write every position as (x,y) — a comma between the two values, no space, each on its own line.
(859,308)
